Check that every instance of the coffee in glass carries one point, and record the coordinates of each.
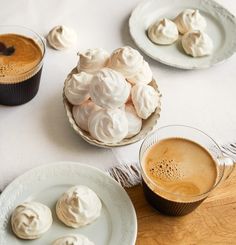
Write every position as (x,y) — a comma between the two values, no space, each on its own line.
(180,166)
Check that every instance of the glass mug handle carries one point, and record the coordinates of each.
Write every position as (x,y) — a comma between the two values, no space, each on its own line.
(228,164)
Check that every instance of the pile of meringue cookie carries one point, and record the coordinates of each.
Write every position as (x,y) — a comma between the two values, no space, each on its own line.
(191,24)
(77,207)
(111,94)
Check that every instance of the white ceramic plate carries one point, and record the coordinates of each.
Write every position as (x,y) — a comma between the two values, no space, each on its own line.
(221,27)
(117,224)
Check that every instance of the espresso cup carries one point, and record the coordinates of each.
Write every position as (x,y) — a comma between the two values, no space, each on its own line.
(21,60)
(180,167)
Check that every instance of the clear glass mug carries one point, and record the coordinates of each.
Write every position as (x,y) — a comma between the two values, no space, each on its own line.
(166,202)
(23,86)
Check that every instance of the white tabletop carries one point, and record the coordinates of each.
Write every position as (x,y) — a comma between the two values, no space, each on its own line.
(38,132)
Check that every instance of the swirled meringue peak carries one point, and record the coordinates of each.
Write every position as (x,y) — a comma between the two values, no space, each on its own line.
(134,121)
(92,60)
(144,75)
(108,126)
(145,100)
(79,206)
(109,89)
(163,32)
(31,220)
(82,112)
(126,60)
(77,87)
(62,37)
(73,240)
(197,43)
(189,20)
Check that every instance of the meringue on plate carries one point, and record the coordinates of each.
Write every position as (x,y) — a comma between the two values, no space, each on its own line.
(197,43)
(189,20)
(109,89)
(77,87)
(61,37)
(31,220)
(163,32)
(134,121)
(82,112)
(73,240)
(92,60)
(145,99)
(78,206)
(108,125)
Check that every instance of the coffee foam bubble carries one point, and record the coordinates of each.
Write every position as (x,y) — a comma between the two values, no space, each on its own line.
(165,169)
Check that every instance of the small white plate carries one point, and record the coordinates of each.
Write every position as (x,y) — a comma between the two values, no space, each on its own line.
(221,27)
(117,224)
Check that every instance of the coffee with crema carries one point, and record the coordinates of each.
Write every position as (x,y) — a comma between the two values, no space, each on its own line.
(20,68)
(177,172)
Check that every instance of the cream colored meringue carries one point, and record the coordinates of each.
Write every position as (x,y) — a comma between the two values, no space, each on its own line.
(109,89)
(31,220)
(127,61)
(73,240)
(197,43)
(93,60)
(77,87)
(62,37)
(144,75)
(78,206)
(82,112)
(163,32)
(145,99)
(134,121)
(108,126)
(189,20)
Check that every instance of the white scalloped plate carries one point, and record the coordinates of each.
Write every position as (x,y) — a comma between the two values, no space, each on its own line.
(221,27)
(117,224)
(149,125)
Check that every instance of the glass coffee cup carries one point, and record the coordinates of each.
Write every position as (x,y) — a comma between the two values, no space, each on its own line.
(21,60)
(180,167)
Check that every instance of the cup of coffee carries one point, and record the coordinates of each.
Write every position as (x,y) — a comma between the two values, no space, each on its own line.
(180,167)
(21,60)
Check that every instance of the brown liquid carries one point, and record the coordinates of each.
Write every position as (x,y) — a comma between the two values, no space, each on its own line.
(179,170)
(25,58)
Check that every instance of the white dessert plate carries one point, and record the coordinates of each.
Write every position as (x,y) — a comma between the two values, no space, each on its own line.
(117,224)
(221,27)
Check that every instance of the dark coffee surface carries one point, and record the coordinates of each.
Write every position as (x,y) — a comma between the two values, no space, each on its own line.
(18,55)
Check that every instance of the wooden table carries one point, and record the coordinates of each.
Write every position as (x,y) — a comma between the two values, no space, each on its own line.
(213,222)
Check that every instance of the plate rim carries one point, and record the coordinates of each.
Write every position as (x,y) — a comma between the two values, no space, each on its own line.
(9,189)
(169,63)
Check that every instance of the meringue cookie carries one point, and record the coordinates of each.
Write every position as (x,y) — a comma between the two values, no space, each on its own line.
(190,19)
(163,32)
(61,37)
(134,122)
(73,240)
(78,206)
(197,43)
(145,100)
(108,126)
(31,220)
(126,60)
(77,87)
(109,89)
(82,112)
(144,75)
(92,60)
